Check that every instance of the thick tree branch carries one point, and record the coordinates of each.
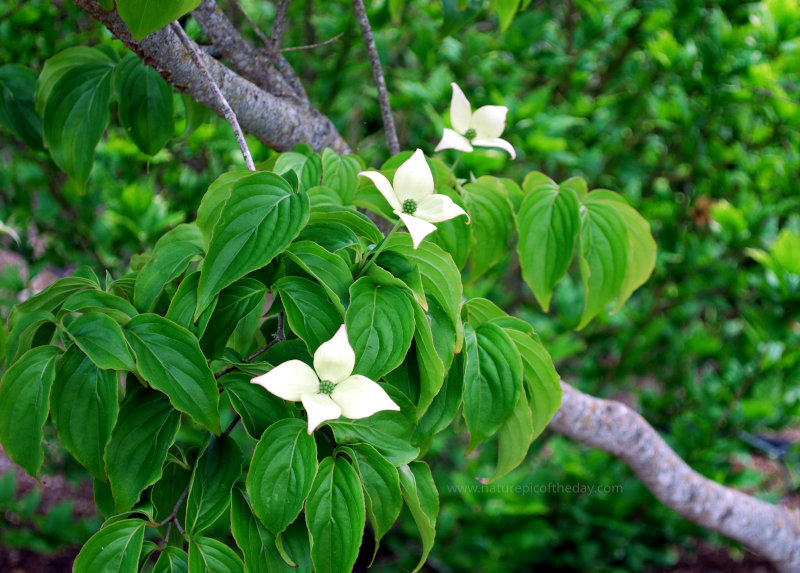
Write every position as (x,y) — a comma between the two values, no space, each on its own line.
(377,74)
(257,66)
(277,122)
(772,531)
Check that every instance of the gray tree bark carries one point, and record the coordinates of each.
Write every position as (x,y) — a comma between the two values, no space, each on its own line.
(271,111)
(265,96)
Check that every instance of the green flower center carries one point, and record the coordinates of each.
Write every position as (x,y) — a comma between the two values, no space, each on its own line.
(471,134)
(409,206)
(326,387)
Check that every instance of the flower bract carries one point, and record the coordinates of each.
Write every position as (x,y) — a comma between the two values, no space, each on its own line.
(482,128)
(412,198)
(330,389)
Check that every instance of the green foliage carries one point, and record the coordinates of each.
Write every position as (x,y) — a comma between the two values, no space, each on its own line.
(144,18)
(655,101)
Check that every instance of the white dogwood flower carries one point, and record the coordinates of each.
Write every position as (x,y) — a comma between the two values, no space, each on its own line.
(412,197)
(330,389)
(482,128)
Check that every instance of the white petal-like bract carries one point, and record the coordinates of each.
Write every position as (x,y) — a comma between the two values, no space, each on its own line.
(289,380)
(453,140)
(496,142)
(417,228)
(460,110)
(413,179)
(359,397)
(384,187)
(438,208)
(488,122)
(319,408)
(334,359)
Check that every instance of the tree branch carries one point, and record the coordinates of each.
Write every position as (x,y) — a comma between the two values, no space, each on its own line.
(770,530)
(278,122)
(280,23)
(230,117)
(250,63)
(377,74)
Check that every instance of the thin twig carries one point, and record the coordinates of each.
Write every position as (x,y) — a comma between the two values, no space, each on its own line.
(232,425)
(312,46)
(226,108)
(278,26)
(377,74)
(174,513)
(280,336)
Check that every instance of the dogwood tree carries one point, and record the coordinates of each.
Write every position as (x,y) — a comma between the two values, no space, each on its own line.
(368,347)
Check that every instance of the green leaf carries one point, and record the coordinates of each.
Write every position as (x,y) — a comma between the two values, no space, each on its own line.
(17,108)
(388,431)
(330,270)
(396,8)
(446,403)
(3,337)
(505,12)
(258,408)
(281,473)
(98,301)
(335,516)
(380,326)
(455,235)
(211,205)
(75,117)
(331,236)
(431,368)
(145,104)
(257,544)
(641,246)
(63,64)
(206,554)
(422,499)
(785,250)
(258,221)
(513,439)
(101,338)
(381,486)
(309,312)
(547,224)
(353,220)
(542,382)
(172,560)
(144,17)
(33,329)
(603,254)
(84,408)
(50,299)
(308,168)
(24,393)
(146,427)
(184,303)
(243,298)
(401,272)
(340,173)
(492,382)
(440,275)
(480,310)
(217,469)
(169,359)
(492,220)
(113,549)
(171,256)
